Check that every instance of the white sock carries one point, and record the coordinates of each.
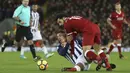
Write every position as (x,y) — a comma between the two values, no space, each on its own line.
(22,51)
(44,49)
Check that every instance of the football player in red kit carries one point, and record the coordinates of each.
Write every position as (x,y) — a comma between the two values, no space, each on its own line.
(116,20)
(90,34)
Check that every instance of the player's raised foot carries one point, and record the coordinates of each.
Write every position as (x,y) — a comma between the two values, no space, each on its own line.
(37,58)
(23,57)
(49,55)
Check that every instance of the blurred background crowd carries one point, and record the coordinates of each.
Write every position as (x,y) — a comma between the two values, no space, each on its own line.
(7,7)
(96,10)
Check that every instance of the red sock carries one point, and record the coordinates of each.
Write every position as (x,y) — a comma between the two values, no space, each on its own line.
(104,57)
(111,48)
(92,56)
(71,69)
(119,49)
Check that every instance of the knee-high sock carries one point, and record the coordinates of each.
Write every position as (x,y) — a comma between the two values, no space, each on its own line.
(104,57)
(119,48)
(32,49)
(22,51)
(111,48)
(44,49)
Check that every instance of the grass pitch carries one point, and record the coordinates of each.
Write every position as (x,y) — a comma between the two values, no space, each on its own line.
(10,62)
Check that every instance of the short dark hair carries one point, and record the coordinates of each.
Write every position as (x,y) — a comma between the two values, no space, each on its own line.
(61,15)
(117,3)
(62,32)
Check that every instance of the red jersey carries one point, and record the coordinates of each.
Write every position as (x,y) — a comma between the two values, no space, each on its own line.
(117,19)
(78,24)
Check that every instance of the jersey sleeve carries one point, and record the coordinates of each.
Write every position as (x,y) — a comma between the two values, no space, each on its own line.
(68,29)
(63,50)
(110,17)
(17,11)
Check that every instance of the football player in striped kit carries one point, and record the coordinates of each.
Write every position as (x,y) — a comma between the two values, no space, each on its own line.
(78,59)
(36,32)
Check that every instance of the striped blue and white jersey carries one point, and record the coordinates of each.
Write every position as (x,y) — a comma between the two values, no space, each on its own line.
(35,20)
(66,51)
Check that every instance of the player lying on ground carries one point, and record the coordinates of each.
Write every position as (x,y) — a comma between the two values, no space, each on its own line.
(90,33)
(77,59)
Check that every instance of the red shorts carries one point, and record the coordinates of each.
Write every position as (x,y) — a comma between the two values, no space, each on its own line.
(92,37)
(117,34)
